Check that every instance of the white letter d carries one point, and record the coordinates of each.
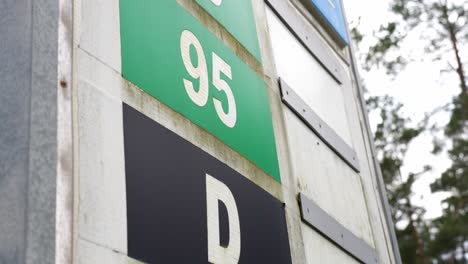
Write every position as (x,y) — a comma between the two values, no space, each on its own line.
(217,254)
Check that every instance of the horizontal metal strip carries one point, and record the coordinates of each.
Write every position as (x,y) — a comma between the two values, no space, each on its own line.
(318,126)
(310,39)
(326,225)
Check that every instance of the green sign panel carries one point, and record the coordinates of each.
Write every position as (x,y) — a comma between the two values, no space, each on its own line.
(170,55)
(238,18)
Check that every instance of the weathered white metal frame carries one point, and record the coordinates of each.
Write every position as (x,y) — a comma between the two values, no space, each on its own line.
(299,29)
(316,47)
(311,42)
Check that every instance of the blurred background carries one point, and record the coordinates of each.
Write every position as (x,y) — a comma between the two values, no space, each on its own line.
(413,59)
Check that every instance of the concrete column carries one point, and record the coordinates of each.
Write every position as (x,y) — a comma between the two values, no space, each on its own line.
(28,139)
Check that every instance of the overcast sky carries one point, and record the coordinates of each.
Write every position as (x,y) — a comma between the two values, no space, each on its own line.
(420,87)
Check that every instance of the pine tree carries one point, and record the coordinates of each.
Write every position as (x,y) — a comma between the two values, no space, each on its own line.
(443,26)
(450,244)
(392,138)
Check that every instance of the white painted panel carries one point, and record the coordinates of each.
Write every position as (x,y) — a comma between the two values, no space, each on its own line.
(319,250)
(324,178)
(102,212)
(308,78)
(99,23)
(98,74)
(90,253)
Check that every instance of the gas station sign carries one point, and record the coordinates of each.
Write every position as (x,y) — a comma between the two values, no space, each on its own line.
(173,57)
(237,17)
(185,206)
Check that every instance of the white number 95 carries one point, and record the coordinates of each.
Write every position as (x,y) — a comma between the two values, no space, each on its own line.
(200,71)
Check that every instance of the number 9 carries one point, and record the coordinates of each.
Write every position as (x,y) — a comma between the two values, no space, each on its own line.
(187,40)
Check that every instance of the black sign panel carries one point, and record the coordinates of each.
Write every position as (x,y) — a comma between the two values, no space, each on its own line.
(185,206)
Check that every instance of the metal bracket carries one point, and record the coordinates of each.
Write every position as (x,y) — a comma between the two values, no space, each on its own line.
(326,225)
(318,126)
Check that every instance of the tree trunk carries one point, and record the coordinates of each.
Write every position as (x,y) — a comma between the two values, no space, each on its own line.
(463,249)
(451,28)
(419,244)
(452,258)
(460,68)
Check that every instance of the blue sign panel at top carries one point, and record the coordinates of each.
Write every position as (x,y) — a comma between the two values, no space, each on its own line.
(332,12)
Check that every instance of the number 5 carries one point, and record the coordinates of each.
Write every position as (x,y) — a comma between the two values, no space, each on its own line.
(220,66)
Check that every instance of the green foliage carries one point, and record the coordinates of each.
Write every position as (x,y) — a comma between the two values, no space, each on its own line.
(393,137)
(420,240)
(459,118)
(356,35)
(388,39)
(443,26)
(452,230)
(438,23)
(452,227)
(408,245)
